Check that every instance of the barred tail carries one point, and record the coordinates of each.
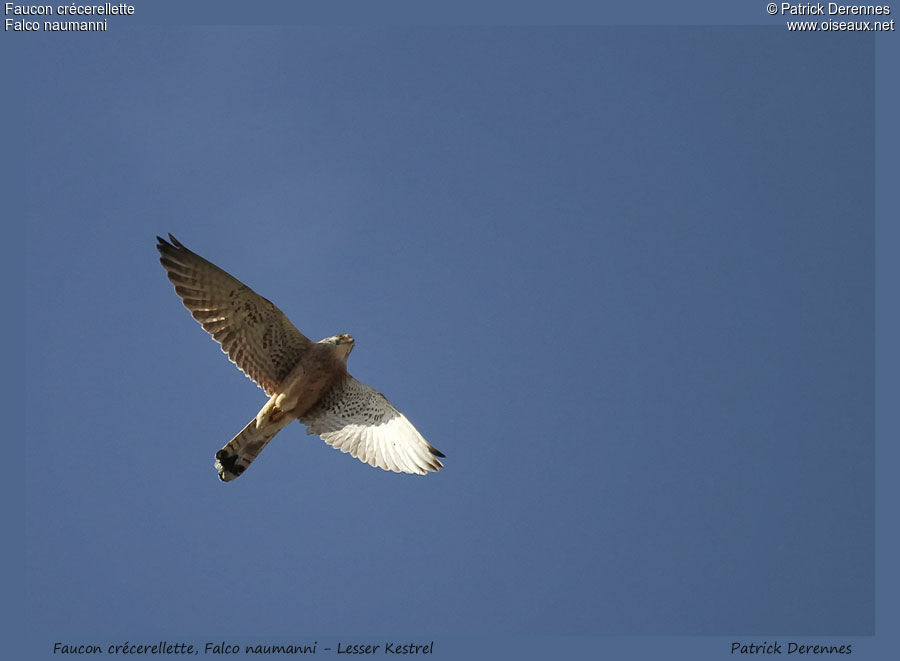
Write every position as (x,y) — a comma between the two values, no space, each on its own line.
(233,459)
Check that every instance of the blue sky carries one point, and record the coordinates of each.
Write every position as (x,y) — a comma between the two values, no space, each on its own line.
(622,278)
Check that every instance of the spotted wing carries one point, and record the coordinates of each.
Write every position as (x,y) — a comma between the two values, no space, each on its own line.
(255,334)
(354,418)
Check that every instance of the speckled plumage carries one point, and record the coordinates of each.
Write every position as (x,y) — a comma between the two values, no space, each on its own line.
(304,379)
(357,419)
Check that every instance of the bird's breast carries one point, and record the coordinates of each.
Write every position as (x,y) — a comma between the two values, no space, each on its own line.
(303,387)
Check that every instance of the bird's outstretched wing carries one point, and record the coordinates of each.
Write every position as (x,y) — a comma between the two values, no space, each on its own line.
(255,334)
(354,418)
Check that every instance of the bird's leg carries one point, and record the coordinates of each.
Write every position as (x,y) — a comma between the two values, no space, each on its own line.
(269,413)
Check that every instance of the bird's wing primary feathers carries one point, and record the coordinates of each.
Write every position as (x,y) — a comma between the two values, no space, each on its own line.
(354,418)
(255,334)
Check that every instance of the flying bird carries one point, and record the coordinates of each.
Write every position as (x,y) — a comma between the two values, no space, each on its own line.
(305,380)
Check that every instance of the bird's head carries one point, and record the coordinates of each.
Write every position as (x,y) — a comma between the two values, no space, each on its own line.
(343,344)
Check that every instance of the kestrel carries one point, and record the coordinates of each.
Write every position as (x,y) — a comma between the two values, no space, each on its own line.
(305,380)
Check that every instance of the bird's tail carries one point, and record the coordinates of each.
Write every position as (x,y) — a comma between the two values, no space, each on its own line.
(233,459)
